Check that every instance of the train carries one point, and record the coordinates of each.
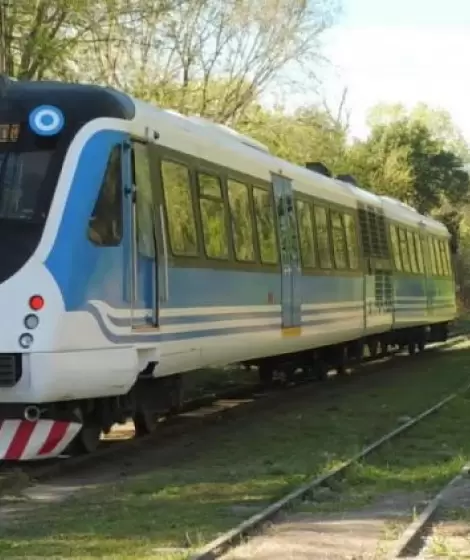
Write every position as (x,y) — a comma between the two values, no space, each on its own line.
(140,244)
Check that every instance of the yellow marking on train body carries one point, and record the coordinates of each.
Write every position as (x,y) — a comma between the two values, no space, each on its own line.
(292,331)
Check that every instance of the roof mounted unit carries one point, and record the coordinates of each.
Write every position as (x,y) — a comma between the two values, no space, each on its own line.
(347,179)
(318,167)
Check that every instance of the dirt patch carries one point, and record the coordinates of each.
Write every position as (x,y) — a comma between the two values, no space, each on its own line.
(450,535)
(364,533)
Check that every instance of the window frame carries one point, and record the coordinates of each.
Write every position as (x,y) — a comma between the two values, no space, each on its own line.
(198,171)
(117,148)
(339,214)
(249,191)
(309,206)
(164,158)
(269,191)
(326,208)
(393,227)
(355,240)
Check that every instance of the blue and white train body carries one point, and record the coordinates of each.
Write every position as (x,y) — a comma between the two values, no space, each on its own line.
(139,244)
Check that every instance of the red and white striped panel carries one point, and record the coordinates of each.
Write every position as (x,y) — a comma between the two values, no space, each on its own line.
(21,440)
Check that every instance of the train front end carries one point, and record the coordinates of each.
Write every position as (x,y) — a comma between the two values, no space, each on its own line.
(46,368)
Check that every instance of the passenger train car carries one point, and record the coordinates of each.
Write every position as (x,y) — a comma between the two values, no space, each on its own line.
(139,244)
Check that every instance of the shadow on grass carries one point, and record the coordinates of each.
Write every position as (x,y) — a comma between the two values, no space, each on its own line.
(235,472)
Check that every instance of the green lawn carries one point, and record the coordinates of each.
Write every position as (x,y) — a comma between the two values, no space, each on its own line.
(256,461)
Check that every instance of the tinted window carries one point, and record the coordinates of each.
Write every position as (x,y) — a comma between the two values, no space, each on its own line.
(419,253)
(105,226)
(264,215)
(395,247)
(179,207)
(445,268)
(448,259)
(339,241)
(321,223)
(307,248)
(432,255)
(440,270)
(144,201)
(21,177)
(351,240)
(412,253)
(213,216)
(405,257)
(242,227)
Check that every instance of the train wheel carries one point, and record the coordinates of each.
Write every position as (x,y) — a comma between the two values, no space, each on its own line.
(87,439)
(411,348)
(421,344)
(373,346)
(341,364)
(320,371)
(266,376)
(145,421)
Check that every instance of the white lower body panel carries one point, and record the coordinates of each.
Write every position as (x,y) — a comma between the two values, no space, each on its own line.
(62,376)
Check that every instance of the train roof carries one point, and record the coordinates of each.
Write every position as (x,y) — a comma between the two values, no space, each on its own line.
(224,144)
(80,103)
(201,138)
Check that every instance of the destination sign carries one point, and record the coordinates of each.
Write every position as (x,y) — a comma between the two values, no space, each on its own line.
(9,132)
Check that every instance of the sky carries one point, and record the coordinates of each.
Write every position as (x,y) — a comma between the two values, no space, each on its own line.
(406,51)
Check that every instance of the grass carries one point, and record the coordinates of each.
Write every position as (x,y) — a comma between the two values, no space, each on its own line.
(207,380)
(256,461)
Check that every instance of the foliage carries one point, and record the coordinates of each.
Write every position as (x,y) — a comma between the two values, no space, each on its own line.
(308,134)
(213,58)
(437,121)
(217,59)
(404,159)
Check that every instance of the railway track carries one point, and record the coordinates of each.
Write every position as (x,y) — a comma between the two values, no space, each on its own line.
(255,524)
(411,541)
(211,408)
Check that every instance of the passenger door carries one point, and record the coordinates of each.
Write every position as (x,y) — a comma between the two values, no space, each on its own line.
(142,227)
(289,250)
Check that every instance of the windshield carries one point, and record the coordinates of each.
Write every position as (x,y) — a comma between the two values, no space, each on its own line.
(29,168)
(21,177)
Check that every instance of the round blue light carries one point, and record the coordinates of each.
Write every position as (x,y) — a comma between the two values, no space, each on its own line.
(46,120)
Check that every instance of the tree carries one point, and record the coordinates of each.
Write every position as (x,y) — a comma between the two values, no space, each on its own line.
(309,134)
(403,159)
(39,37)
(212,57)
(437,121)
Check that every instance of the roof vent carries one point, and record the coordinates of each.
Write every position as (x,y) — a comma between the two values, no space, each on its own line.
(347,179)
(319,168)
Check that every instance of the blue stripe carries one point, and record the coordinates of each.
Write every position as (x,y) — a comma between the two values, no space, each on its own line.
(132,338)
(217,317)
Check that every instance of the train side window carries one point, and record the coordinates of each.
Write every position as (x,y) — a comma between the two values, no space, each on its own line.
(264,215)
(105,224)
(179,207)
(395,247)
(339,241)
(405,257)
(439,267)
(144,200)
(445,268)
(419,252)
(412,252)
(307,244)
(432,255)
(214,226)
(448,259)
(242,225)
(321,226)
(351,241)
